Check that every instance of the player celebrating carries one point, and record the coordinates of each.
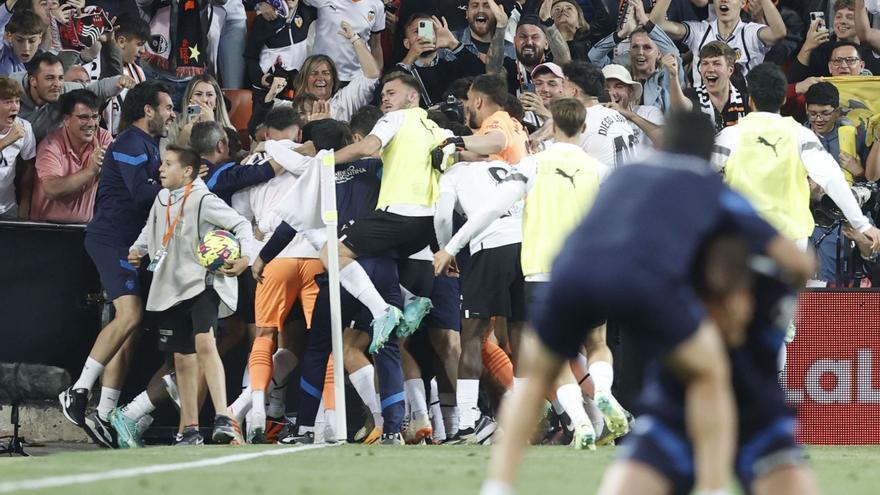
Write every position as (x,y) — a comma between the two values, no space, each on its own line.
(619,263)
(561,182)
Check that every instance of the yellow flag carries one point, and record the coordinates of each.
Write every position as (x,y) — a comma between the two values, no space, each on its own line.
(860,101)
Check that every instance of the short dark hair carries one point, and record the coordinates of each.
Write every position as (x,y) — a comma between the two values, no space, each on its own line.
(69,100)
(841,43)
(767,87)
(460,87)
(283,118)
(569,115)
(327,134)
(145,93)
(416,16)
(205,135)
(512,106)
(364,119)
(689,133)
(25,22)
(843,4)
(132,28)
(587,77)
(491,86)
(48,58)
(234,140)
(404,78)
(188,158)
(822,93)
(717,49)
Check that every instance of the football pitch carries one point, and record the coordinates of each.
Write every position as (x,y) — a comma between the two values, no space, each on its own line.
(355,469)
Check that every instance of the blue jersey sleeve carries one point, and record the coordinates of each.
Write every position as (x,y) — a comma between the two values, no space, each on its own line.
(232,177)
(737,210)
(133,164)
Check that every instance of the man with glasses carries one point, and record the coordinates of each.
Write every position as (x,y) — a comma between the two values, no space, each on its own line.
(69,162)
(844,61)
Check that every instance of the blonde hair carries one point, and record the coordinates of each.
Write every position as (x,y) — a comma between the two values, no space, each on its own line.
(568,115)
(300,82)
(582,21)
(220,113)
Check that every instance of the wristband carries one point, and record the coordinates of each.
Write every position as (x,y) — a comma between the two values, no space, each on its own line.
(354,38)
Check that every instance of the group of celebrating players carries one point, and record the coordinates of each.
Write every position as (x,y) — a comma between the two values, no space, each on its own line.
(479,258)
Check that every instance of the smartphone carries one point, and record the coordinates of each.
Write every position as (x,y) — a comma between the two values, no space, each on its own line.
(426,30)
(820,16)
(193,110)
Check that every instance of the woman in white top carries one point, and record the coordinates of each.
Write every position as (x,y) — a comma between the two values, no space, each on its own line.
(319,77)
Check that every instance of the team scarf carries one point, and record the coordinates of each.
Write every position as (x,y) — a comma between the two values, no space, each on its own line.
(706,102)
(84,28)
(186,53)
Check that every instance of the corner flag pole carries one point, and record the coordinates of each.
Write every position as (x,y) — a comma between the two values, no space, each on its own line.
(330,217)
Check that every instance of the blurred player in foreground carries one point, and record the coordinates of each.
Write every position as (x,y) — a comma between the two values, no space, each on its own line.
(632,261)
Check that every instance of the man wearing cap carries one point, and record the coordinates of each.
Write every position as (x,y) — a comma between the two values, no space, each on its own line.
(548,80)
(625,95)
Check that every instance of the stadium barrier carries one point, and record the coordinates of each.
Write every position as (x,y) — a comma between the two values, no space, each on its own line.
(832,373)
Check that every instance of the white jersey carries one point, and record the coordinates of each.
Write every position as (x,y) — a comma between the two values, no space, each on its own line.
(113,112)
(653,115)
(744,41)
(259,204)
(365,16)
(468,185)
(609,137)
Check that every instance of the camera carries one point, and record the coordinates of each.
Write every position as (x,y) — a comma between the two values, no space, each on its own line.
(827,212)
(453,109)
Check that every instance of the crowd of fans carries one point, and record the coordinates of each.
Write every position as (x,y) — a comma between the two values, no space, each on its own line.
(67,66)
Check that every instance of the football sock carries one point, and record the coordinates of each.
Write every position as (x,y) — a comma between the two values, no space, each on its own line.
(390,375)
(569,395)
(241,405)
(90,373)
(260,363)
(449,409)
(356,281)
(436,414)
(603,375)
(139,407)
(364,383)
(283,362)
(415,392)
(109,398)
(408,296)
(519,382)
(497,363)
(596,417)
(467,393)
(328,396)
(258,410)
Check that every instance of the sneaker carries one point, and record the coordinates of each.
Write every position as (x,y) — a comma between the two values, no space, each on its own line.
(615,415)
(100,431)
(392,439)
(374,436)
(274,427)
(478,435)
(127,433)
(584,437)
(413,314)
(306,438)
(367,429)
(226,431)
(170,381)
(73,405)
(382,328)
(190,436)
(418,430)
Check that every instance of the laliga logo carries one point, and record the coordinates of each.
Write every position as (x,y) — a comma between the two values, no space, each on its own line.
(830,381)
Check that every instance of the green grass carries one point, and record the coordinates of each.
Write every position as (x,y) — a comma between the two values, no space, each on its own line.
(367,470)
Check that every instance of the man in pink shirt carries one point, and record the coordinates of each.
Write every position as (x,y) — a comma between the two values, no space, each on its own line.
(69,161)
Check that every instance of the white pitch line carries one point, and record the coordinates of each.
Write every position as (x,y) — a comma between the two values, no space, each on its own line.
(75,479)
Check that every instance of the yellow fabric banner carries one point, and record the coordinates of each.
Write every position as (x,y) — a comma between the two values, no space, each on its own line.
(860,101)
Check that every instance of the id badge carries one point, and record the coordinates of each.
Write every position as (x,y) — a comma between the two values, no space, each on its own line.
(157,260)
